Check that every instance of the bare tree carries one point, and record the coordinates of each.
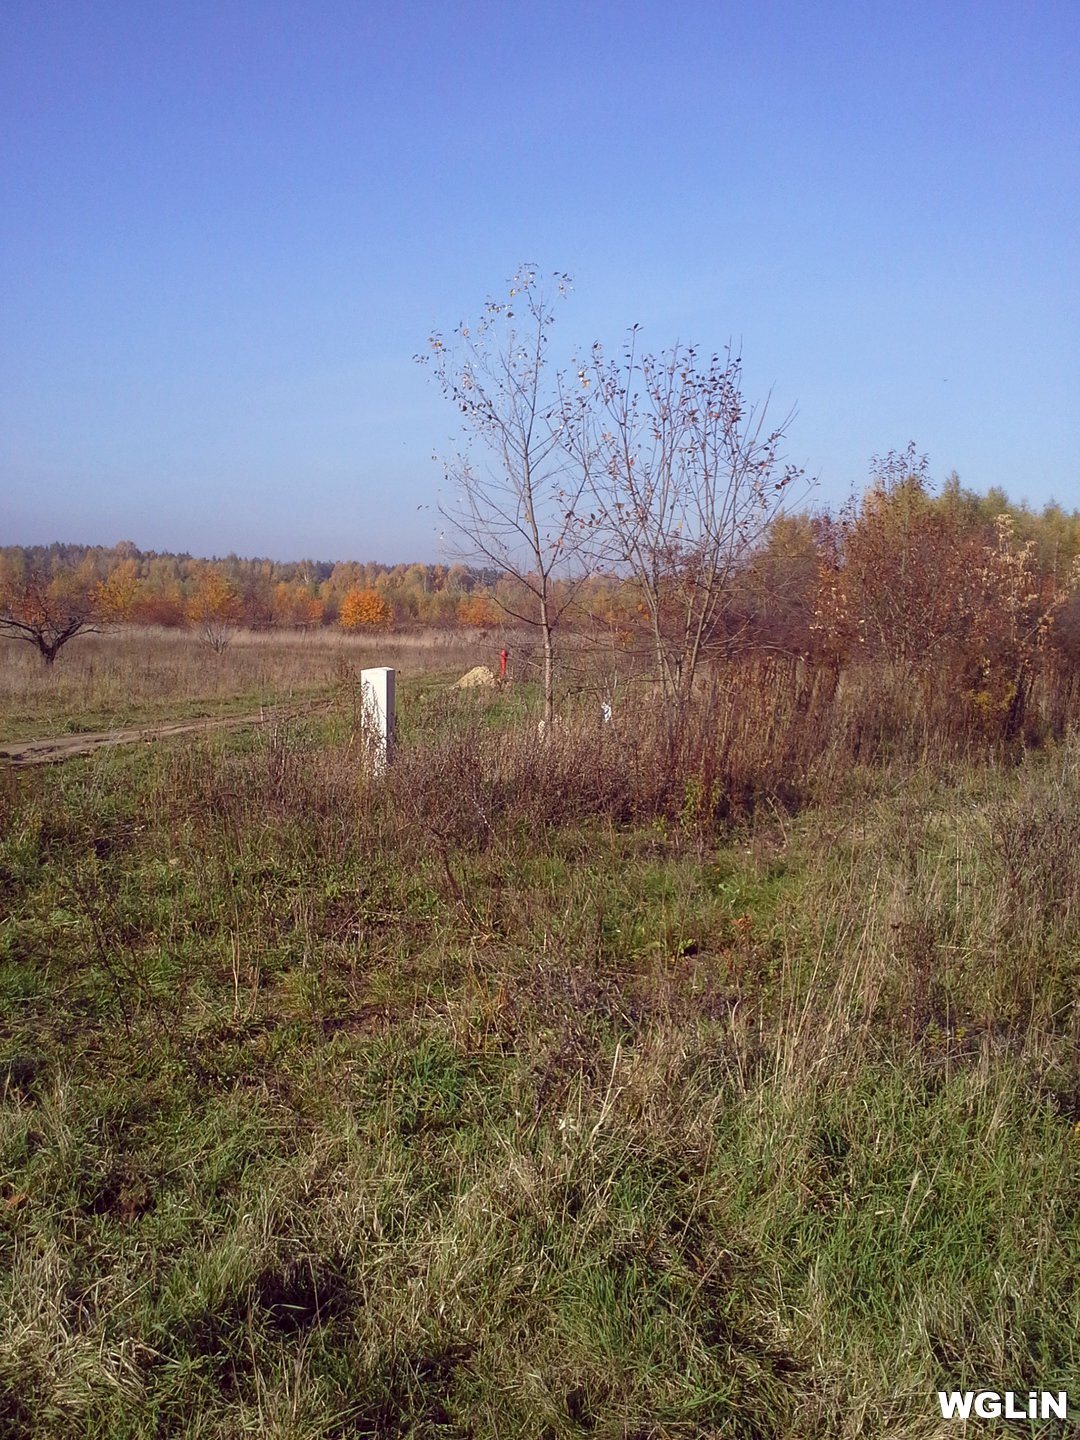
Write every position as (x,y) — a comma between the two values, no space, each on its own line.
(47,608)
(517,483)
(685,478)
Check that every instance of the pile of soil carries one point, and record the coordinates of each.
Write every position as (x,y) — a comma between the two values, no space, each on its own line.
(478,675)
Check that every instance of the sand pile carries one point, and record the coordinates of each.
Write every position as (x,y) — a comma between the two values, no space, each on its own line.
(478,675)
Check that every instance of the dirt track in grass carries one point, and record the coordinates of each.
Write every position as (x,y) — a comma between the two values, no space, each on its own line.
(57,748)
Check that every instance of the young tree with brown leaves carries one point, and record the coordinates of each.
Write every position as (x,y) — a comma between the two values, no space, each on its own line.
(684,477)
(924,584)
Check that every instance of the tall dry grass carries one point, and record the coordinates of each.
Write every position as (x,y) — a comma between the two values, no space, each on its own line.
(624,1081)
(135,673)
(760,732)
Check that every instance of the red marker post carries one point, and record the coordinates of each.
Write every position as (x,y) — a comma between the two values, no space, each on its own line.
(502,664)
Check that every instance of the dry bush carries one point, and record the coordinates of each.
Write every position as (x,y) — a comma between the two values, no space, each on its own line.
(761,731)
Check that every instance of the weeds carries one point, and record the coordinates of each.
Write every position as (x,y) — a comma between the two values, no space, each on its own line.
(585,1086)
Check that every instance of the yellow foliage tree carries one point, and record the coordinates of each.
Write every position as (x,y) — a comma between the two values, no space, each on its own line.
(365,610)
(295,606)
(214,608)
(117,592)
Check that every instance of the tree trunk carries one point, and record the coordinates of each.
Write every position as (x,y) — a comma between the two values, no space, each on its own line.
(549,667)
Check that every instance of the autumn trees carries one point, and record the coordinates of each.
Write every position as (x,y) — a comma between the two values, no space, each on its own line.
(159,589)
(648,502)
(668,542)
(214,609)
(938,591)
(47,599)
(365,610)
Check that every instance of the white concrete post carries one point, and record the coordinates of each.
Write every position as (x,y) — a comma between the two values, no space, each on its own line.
(380,714)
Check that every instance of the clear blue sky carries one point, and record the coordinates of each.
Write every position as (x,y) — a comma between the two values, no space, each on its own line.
(226,226)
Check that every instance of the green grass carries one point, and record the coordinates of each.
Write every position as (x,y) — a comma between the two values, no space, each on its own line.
(330,1110)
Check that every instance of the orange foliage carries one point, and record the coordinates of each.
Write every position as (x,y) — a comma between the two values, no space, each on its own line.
(159,607)
(47,606)
(295,606)
(117,592)
(918,584)
(478,610)
(365,610)
(214,608)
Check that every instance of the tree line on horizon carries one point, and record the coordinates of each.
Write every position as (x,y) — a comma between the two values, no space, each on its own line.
(123,585)
(902,572)
(641,503)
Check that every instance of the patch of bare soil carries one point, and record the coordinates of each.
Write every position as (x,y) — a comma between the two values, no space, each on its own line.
(478,675)
(58,748)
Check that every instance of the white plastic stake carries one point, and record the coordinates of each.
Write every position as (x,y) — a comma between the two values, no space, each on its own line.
(380,715)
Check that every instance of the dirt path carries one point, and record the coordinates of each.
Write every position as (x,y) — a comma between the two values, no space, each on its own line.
(65,747)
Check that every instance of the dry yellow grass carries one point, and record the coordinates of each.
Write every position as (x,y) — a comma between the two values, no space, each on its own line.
(136,674)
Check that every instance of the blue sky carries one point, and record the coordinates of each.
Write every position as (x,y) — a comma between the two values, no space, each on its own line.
(227,227)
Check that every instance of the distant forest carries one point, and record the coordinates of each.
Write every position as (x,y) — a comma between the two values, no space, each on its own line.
(902,572)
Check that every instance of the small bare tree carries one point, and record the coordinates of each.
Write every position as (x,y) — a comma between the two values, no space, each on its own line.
(685,478)
(517,483)
(48,606)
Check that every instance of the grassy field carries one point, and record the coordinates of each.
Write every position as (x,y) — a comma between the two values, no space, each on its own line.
(136,676)
(534,1090)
